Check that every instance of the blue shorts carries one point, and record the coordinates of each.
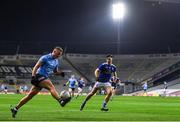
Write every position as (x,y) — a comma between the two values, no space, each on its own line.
(38,79)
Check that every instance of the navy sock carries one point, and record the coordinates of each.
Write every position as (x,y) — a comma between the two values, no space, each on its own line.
(16,108)
(104,104)
(84,102)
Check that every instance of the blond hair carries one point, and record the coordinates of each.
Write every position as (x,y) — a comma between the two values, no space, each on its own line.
(59,48)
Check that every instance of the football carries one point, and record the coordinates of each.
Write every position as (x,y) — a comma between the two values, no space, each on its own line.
(65,94)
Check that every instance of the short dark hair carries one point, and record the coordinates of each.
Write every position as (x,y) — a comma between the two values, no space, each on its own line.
(109,55)
(59,48)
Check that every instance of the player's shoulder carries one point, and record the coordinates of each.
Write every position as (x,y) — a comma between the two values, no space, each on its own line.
(104,64)
(113,65)
(46,56)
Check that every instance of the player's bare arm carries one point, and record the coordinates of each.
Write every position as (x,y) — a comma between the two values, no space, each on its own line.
(58,72)
(97,72)
(38,64)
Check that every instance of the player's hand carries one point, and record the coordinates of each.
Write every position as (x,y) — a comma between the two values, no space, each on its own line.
(33,78)
(62,74)
(97,78)
(117,80)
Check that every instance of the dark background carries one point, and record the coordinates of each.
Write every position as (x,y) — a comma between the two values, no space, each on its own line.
(86,26)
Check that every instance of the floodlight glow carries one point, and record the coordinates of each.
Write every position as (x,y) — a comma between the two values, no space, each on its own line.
(118,11)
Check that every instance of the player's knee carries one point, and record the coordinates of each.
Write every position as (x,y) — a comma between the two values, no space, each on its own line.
(109,93)
(91,94)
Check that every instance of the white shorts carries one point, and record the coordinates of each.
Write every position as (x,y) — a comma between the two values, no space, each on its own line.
(100,84)
(79,89)
(71,89)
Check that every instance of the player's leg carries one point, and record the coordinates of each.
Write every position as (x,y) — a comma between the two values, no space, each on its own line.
(113,93)
(94,90)
(108,90)
(34,90)
(145,92)
(73,89)
(5,91)
(79,92)
(164,92)
(47,84)
(70,91)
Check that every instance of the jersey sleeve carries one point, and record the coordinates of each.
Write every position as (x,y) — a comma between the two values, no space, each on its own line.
(56,67)
(114,69)
(101,67)
(43,59)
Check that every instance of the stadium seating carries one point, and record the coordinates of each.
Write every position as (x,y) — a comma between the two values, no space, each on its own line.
(173,89)
(131,68)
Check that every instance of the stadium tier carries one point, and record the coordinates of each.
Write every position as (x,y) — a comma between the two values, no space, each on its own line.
(173,89)
(130,68)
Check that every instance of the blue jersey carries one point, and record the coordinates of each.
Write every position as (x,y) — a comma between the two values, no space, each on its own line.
(49,64)
(72,82)
(145,86)
(105,72)
(80,83)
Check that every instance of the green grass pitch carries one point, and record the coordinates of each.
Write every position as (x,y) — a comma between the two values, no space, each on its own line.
(45,108)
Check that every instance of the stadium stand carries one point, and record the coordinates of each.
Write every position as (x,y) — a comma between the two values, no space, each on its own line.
(132,69)
(176,93)
(173,88)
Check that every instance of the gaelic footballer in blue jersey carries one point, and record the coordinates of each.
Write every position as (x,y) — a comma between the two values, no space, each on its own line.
(103,74)
(145,87)
(81,84)
(47,65)
(72,83)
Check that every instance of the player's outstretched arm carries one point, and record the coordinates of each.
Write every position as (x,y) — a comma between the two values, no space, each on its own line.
(38,64)
(58,72)
(97,72)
